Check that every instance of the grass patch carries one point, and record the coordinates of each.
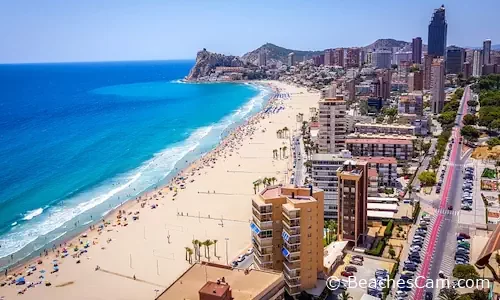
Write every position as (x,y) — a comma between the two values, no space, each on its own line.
(489,173)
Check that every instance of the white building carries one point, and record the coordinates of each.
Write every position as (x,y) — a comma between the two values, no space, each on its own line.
(332,125)
(437,85)
(476,63)
(381,59)
(324,174)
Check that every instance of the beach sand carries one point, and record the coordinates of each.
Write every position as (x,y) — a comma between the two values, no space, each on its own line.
(152,248)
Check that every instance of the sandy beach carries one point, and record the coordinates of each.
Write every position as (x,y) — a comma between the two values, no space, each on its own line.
(137,253)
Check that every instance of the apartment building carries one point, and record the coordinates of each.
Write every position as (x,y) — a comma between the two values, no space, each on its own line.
(287,234)
(378,128)
(333,124)
(386,168)
(372,183)
(401,149)
(353,203)
(324,168)
(411,103)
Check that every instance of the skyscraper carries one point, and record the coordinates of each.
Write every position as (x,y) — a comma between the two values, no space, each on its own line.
(291,59)
(381,59)
(332,124)
(427,71)
(437,85)
(338,57)
(455,57)
(438,29)
(352,59)
(329,57)
(262,58)
(487,52)
(416,46)
(476,63)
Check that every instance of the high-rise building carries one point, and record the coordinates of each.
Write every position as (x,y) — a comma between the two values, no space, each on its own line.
(487,52)
(291,59)
(415,81)
(437,85)
(416,52)
(324,168)
(455,57)
(329,57)
(383,85)
(477,63)
(338,57)
(467,70)
(381,59)
(287,234)
(401,57)
(427,71)
(262,58)
(352,57)
(438,29)
(362,56)
(351,89)
(353,202)
(332,125)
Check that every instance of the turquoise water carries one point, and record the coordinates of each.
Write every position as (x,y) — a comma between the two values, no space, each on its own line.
(79,139)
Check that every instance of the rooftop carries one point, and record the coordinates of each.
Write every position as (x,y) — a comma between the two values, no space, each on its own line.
(244,285)
(379,141)
(380,214)
(331,252)
(370,135)
(378,159)
(393,125)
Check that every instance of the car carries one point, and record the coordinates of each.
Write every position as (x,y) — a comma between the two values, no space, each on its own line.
(346,274)
(250,251)
(356,262)
(358,257)
(350,269)
(415,248)
(408,273)
(428,296)
(450,207)
(464,235)
(401,294)
(441,274)
(467,208)
(410,268)
(240,258)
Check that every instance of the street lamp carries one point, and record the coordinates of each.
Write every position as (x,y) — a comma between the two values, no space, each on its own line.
(227,255)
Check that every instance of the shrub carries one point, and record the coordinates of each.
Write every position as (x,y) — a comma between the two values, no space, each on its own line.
(388,229)
(378,249)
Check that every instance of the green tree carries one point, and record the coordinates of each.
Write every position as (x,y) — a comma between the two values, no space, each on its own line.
(465,272)
(472,103)
(493,142)
(469,133)
(470,119)
(426,147)
(448,294)
(427,178)
(392,253)
(345,296)
(447,118)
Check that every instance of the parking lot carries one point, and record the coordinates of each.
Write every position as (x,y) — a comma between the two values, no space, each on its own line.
(474,211)
(365,272)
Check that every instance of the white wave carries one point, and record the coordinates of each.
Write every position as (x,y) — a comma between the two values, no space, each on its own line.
(32,213)
(13,224)
(135,182)
(59,236)
(178,81)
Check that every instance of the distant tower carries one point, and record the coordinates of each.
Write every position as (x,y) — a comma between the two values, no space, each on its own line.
(291,59)
(455,57)
(438,29)
(476,63)
(416,46)
(262,58)
(437,85)
(487,52)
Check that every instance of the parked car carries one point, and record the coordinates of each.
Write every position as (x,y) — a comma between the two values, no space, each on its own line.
(464,235)
(358,257)
(350,269)
(240,258)
(356,262)
(346,274)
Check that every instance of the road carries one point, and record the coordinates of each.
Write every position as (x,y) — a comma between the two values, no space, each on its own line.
(300,158)
(450,196)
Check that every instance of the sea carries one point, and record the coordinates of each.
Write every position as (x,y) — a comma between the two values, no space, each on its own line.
(79,139)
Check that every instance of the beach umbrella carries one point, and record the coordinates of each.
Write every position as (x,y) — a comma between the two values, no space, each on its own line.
(42,271)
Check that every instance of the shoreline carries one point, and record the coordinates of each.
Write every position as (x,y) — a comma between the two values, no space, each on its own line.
(74,233)
(226,147)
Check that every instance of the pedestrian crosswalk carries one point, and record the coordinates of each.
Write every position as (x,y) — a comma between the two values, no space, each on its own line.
(448,212)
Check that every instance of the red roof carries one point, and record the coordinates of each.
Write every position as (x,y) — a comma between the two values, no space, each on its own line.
(379,141)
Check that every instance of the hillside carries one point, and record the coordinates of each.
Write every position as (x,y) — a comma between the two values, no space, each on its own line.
(276,54)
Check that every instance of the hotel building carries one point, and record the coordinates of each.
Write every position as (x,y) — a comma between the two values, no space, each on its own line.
(333,125)
(401,149)
(378,128)
(437,85)
(386,168)
(411,103)
(353,203)
(287,234)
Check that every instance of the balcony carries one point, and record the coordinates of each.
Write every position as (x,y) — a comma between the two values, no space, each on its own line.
(292,241)
(295,282)
(263,262)
(263,225)
(292,291)
(292,231)
(262,242)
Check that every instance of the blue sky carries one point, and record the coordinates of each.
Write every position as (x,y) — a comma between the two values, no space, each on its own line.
(101,30)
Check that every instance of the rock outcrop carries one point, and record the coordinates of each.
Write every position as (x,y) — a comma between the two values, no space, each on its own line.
(207,62)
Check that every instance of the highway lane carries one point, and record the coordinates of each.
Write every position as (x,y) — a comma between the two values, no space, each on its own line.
(442,225)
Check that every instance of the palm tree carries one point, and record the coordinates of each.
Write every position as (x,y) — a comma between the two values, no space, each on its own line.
(285,130)
(345,296)
(280,152)
(208,243)
(255,188)
(199,250)
(190,253)
(273,180)
(215,247)
(196,248)
(284,151)
(448,294)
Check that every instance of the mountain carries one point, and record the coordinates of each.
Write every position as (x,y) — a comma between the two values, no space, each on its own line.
(276,54)
(387,43)
(206,62)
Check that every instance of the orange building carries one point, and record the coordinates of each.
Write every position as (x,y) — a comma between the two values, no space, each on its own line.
(287,234)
